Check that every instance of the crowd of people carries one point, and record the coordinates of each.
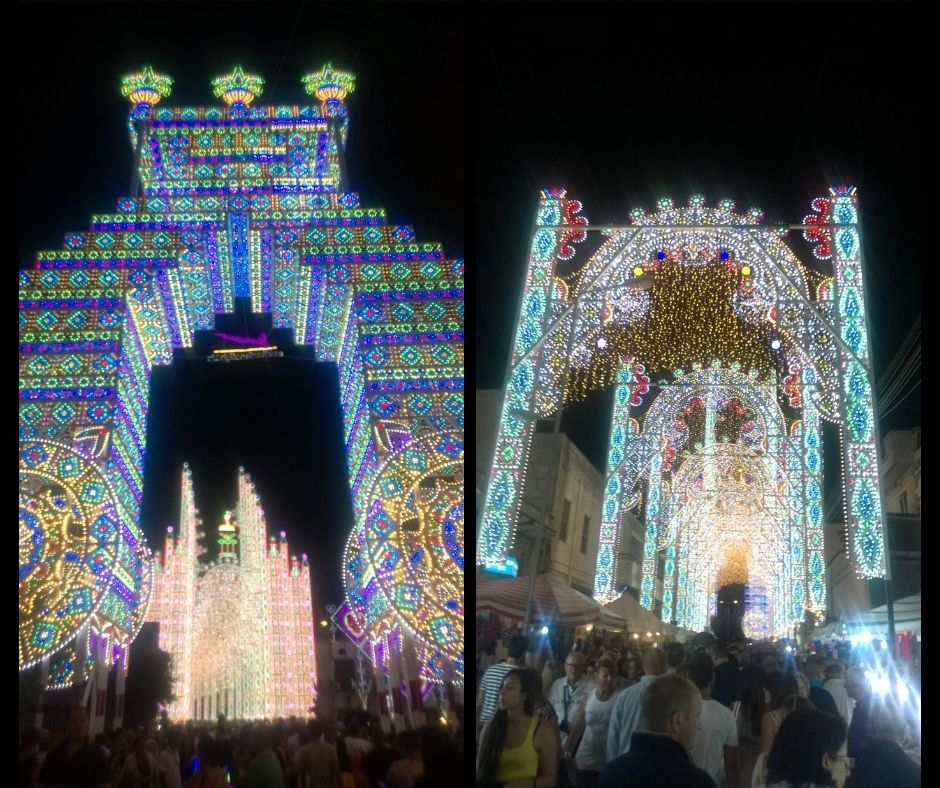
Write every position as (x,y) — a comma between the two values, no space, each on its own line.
(352,751)
(743,716)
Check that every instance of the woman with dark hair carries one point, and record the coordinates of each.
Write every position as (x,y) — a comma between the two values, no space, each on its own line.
(786,696)
(781,687)
(809,751)
(518,750)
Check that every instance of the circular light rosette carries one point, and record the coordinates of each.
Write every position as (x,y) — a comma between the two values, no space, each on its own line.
(405,565)
(68,545)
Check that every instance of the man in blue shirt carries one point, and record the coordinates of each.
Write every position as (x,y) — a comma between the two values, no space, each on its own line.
(625,718)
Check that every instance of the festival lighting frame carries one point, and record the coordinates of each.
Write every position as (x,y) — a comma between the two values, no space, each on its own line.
(735,337)
(241,200)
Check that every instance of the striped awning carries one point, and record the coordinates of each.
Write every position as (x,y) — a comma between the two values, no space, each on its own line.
(553,603)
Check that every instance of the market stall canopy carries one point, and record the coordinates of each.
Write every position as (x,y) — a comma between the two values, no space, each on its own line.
(553,603)
(641,620)
(875,621)
(906,618)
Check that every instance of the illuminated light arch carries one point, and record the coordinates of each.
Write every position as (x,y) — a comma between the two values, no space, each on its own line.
(240,201)
(795,329)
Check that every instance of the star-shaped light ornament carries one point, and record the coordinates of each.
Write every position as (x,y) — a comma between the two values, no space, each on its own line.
(145,89)
(238,89)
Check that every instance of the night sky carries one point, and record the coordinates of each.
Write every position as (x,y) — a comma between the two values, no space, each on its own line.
(766,104)
(279,418)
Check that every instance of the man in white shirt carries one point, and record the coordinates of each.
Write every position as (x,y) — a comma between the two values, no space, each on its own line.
(625,718)
(716,748)
(569,694)
(835,686)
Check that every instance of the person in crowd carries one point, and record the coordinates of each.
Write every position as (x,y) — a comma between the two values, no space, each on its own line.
(589,669)
(357,746)
(487,657)
(808,751)
(140,767)
(168,760)
(716,748)
(822,700)
(488,694)
(749,711)
(859,689)
(515,749)
(265,770)
(103,740)
(403,772)
(317,762)
(568,695)
(881,763)
(785,697)
(552,671)
(587,743)
(439,755)
(209,774)
(375,764)
(347,780)
(626,714)
(75,761)
(675,657)
(279,734)
(659,751)
(835,686)
(781,686)
(631,671)
(29,760)
(770,664)
(725,689)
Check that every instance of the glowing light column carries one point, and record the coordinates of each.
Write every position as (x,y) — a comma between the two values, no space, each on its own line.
(811,434)
(863,509)
(516,426)
(616,493)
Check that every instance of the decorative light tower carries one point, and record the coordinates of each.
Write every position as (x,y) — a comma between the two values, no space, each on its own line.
(330,88)
(238,90)
(144,89)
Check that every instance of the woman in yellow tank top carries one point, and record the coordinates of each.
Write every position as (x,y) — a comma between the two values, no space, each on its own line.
(516,751)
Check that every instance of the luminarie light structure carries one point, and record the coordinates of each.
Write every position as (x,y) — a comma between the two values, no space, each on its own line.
(239,631)
(726,351)
(242,201)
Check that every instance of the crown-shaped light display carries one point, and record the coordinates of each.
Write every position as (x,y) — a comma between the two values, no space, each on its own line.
(329,85)
(146,87)
(238,88)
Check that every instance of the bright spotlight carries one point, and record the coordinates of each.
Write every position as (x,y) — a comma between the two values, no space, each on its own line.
(544,630)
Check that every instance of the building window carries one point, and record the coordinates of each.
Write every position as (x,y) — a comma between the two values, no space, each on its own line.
(902,503)
(584,534)
(565,516)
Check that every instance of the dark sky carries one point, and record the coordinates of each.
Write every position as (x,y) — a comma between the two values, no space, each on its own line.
(405,154)
(766,104)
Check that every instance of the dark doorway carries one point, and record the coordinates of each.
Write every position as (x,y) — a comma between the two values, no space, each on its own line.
(280,418)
